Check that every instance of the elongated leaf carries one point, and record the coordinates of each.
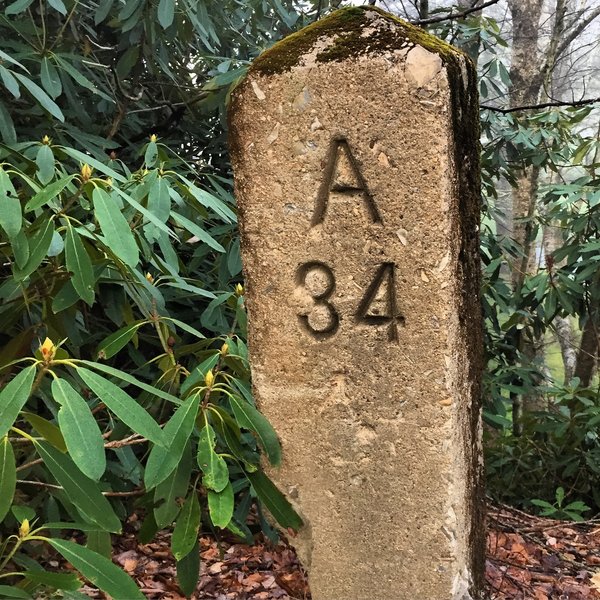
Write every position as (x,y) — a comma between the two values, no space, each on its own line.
(162,461)
(60,581)
(197,231)
(49,431)
(40,96)
(20,247)
(96,164)
(17,7)
(124,406)
(118,340)
(10,207)
(188,570)
(101,571)
(102,11)
(58,5)
(48,193)
(214,467)
(275,502)
(115,228)
(80,265)
(83,492)
(80,430)
(132,380)
(210,201)
(159,201)
(50,78)
(8,476)
(7,127)
(220,506)
(9,592)
(248,417)
(185,534)
(10,83)
(38,249)
(166,13)
(13,397)
(172,490)
(45,163)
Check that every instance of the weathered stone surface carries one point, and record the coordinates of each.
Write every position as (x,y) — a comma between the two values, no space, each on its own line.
(355,146)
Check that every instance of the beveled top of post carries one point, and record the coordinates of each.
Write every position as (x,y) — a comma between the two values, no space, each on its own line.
(350,33)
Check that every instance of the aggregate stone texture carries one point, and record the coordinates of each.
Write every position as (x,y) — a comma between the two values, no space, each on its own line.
(355,163)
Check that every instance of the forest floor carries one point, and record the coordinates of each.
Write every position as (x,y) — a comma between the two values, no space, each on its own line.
(528,557)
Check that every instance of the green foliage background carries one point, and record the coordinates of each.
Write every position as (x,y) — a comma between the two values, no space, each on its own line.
(119,244)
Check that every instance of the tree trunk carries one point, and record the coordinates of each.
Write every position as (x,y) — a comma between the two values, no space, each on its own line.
(587,356)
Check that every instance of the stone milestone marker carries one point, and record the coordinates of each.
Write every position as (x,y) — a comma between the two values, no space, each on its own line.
(354,145)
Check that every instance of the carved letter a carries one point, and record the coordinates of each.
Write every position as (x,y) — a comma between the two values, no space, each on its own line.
(343,175)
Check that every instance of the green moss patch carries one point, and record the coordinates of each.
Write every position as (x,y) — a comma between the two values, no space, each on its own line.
(346,27)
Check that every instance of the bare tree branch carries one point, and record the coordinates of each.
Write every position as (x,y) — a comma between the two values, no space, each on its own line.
(505,111)
(451,15)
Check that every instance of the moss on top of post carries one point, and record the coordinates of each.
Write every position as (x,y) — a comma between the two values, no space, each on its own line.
(346,29)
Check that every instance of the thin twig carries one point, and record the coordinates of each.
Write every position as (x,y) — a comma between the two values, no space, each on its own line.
(505,111)
(451,15)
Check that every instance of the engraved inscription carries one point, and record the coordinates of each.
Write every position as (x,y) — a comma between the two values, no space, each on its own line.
(318,279)
(379,304)
(342,174)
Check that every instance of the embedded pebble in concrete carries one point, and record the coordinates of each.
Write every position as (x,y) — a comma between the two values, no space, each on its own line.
(355,152)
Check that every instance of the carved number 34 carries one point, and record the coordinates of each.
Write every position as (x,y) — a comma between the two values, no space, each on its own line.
(378,306)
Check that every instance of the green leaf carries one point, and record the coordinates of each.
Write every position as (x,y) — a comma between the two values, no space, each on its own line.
(50,77)
(124,407)
(214,467)
(48,193)
(58,5)
(220,506)
(118,340)
(248,417)
(145,212)
(166,13)
(40,96)
(115,228)
(101,571)
(159,201)
(13,397)
(49,431)
(275,502)
(96,164)
(162,461)
(197,231)
(10,207)
(18,7)
(102,11)
(169,492)
(80,266)
(185,534)
(21,512)
(81,490)
(188,570)
(151,154)
(80,430)
(132,380)
(38,249)
(7,128)
(45,163)
(20,248)
(9,592)
(10,83)
(59,581)
(8,476)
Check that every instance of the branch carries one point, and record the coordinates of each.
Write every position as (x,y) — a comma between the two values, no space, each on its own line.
(505,111)
(452,15)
